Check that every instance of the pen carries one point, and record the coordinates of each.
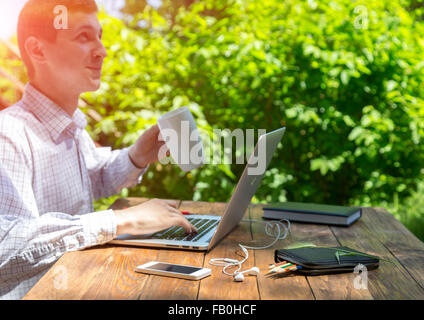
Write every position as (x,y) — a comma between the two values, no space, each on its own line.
(287,264)
(277,264)
(281,267)
(290,267)
(185,212)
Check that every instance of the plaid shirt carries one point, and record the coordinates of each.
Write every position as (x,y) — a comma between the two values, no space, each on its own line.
(50,172)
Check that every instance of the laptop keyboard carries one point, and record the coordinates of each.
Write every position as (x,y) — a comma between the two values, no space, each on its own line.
(203,226)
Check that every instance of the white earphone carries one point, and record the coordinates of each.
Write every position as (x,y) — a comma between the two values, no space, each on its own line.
(239,275)
(251,272)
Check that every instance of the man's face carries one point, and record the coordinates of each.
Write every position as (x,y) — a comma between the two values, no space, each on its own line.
(75,60)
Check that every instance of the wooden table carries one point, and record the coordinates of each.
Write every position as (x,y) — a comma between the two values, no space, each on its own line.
(107,272)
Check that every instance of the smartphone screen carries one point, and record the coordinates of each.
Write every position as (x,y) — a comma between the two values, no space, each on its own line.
(173,268)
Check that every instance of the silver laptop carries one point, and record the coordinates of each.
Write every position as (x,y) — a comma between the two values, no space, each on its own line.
(212,229)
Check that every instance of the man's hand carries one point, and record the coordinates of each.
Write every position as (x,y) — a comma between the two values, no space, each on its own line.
(151,216)
(146,149)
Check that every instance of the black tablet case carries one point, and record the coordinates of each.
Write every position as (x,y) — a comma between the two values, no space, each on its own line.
(319,260)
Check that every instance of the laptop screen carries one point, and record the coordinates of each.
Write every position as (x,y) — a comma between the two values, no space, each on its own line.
(248,183)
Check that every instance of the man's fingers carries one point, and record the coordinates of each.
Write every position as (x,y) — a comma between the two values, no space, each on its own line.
(154,129)
(184,223)
(193,229)
(187,226)
(152,132)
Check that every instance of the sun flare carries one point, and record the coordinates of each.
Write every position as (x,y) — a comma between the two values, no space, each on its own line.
(9,10)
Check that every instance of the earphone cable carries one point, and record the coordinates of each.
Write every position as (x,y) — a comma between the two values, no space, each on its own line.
(279,235)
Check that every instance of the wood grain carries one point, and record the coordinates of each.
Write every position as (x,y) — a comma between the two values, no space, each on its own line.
(391,280)
(73,274)
(403,245)
(165,288)
(118,279)
(127,202)
(269,288)
(220,285)
(107,272)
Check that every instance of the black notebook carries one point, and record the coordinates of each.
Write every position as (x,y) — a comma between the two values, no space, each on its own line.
(312,213)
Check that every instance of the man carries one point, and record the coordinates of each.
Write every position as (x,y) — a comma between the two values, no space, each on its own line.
(50,168)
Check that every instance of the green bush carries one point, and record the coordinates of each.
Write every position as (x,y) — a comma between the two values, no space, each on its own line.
(343,76)
(14,68)
(411,211)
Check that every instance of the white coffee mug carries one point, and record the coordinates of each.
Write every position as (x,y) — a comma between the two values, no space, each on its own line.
(179,131)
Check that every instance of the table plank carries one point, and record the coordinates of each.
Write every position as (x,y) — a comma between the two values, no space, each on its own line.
(122,203)
(107,272)
(275,289)
(119,279)
(60,281)
(158,287)
(390,280)
(102,272)
(401,242)
(219,285)
(203,207)
(165,288)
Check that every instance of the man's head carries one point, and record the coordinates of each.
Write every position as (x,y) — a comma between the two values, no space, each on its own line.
(65,55)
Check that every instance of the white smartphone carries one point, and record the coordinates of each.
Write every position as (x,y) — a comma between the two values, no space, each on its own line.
(174,270)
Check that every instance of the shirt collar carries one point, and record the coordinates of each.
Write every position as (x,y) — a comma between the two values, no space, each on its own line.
(53,117)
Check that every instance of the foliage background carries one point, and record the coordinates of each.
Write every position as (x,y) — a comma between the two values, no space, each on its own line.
(343,76)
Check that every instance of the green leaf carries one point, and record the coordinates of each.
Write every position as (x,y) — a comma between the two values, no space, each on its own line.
(345,77)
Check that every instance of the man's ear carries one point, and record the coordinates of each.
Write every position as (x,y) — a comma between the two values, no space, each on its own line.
(35,49)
